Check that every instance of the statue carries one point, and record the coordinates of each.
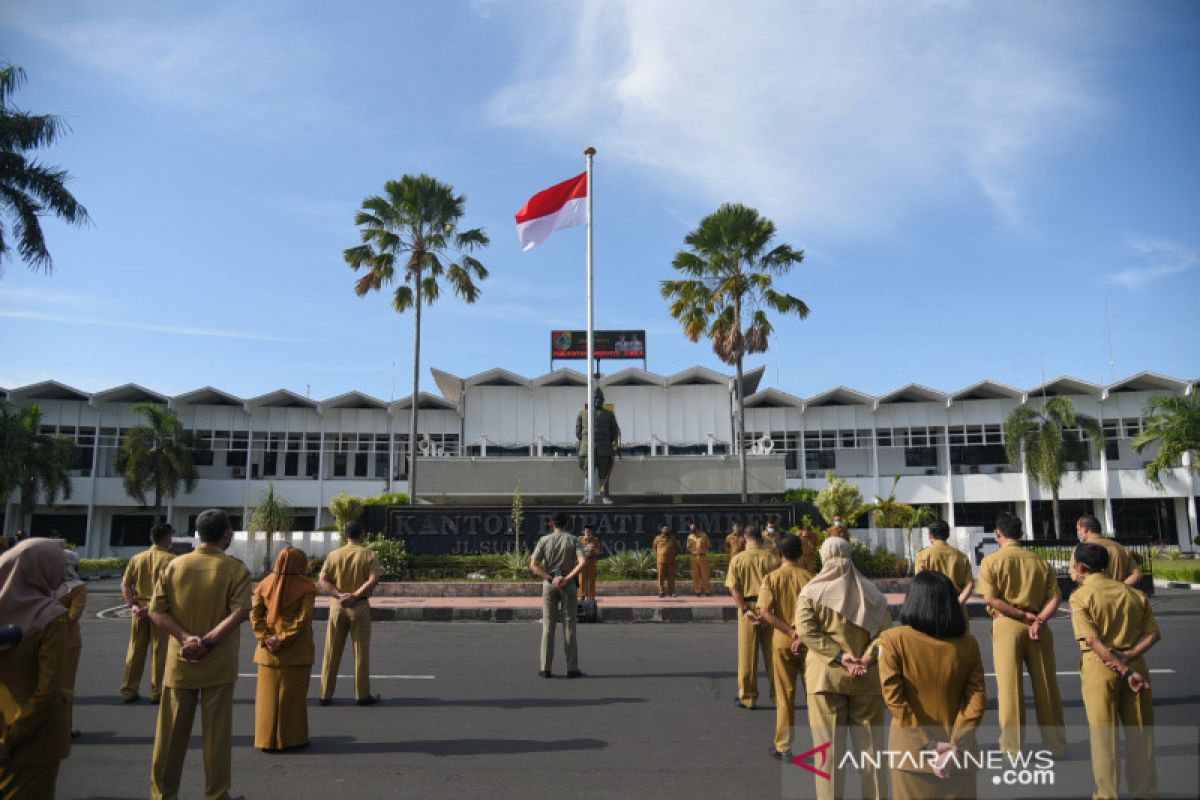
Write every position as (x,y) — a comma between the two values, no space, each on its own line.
(608,440)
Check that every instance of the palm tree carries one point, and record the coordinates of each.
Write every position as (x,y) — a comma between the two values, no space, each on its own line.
(1175,423)
(914,520)
(416,222)
(1048,440)
(729,268)
(889,512)
(273,513)
(28,188)
(157,457)
(33,462)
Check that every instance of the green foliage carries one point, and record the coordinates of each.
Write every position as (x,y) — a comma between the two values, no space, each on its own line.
(518,515)
(272,515)
(157,457)
(102,564)
(386,499)
(799,496)
(912,521)
(314,566)
(807,522)
(1173,422)
(35,463)
(345,508)
(1187,571)
(840,499)
(629,564)
(890,512)
(394,558)
(30,189)
(877,563)
(515,565)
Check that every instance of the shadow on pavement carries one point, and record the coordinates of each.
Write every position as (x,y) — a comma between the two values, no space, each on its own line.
(510,702)
(452,747)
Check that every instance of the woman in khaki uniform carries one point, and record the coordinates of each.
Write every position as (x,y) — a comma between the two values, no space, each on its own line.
(932,676)
(698,545)
(35,724)
(838,614)
(73,595)
(281,615)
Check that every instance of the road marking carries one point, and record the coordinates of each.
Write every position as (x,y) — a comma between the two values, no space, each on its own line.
(1076,672)
(373,677)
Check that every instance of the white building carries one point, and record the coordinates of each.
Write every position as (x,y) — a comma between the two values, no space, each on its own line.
(491,432)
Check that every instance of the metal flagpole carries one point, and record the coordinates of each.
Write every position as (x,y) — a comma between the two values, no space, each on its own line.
(591,344)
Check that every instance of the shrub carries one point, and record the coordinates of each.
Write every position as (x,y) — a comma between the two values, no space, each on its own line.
(345,507)
(799,496)
(877,563)
(314,566)
(102,564)
(515,565)
(387,499)
(1185,571)
(840,499)
(629,564)
(394,558)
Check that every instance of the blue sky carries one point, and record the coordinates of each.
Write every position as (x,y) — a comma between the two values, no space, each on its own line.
(972,183)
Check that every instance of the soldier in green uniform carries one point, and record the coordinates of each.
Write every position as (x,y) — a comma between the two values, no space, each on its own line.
(608,439)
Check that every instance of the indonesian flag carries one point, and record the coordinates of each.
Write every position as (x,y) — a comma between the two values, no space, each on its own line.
(563,205)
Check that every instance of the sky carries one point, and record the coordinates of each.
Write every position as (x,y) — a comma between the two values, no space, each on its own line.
(982,190)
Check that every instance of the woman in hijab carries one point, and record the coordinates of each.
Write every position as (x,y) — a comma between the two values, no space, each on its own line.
(838,615)
(35,724)
(932,677)
(282,618)
(73,595)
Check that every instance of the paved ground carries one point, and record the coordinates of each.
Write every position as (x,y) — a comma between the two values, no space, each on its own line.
(466,716)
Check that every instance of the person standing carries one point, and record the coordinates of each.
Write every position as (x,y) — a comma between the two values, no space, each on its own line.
(73,595)
(770,538)
(282,617)
(1115,626)
(592,548)
(838,615)
(931,672)
(810,543)
(733,542)
(777,605)
(698,545)
(666,549)
(838,528)
(745,577)
(349,575)
(201,600)
(1122,566)
(137,587)
(949,561)
(557,559)
(35,722)
(1021,593)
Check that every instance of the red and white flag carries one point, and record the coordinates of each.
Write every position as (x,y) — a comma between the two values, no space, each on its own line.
(563,205)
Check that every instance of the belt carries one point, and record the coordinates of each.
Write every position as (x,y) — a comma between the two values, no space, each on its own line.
(751,599)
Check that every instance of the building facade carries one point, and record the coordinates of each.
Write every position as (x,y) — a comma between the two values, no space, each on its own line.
(485,435)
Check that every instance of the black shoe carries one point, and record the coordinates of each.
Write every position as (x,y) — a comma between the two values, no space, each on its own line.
(76,733)
(778,756)
(369,700)
(737,701)
(660,594)
(126,699)
(325,701)
(545,673)
(574,674)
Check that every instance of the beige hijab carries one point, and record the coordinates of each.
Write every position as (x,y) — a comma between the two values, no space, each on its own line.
(29,575)
(71,578)
(841,587)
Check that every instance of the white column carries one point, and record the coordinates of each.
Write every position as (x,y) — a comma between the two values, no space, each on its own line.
(93,544)
(950,520)
(321,472)
(803,452)
(874,464)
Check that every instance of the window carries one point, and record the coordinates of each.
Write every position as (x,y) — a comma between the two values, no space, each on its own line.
(339,465)
(360,465)
(291,464)
(235,458)
(820,460)
(130,530)
(270,464)
(312,463)
(381,465)
(920,457)
(1112,449)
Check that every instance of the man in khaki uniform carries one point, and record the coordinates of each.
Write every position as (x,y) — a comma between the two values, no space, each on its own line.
(698,545)
(591,551)
(744,579)
(557,559)
(666,548)
(1122,566)
(1021,593)
(201,600)
(777,604)
(1115,627)
(941,557)
(137,587)
(733,542)
(349,575)
(770,539)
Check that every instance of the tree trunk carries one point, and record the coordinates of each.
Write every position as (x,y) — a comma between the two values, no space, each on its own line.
(741,408)
(416,392)
(1057,522)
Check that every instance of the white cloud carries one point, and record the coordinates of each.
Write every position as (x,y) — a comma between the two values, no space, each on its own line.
(180,330)
(1158,257)
(843,115)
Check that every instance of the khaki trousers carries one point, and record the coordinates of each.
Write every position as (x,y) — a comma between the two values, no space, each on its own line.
(29,781)
(784,669)
(281,707)
(701,582)
(176,713)
(144,635)
(1108,701)
(927,786)
(666,577)
(354,621)
(753,639)
(587,580)
(831,716)
(559,605)
(70,670)
(1012,647)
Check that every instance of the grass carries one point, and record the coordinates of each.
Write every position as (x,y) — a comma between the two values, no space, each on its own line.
(1186,570)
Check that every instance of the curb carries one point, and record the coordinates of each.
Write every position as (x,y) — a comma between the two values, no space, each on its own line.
(1159,583)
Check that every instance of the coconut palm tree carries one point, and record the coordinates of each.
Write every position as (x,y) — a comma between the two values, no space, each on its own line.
(273,513)
(888,512)
(413,227)
(33,462)
(1048,440)
(729,269)
(29,189)
(1174,422)
(157,457)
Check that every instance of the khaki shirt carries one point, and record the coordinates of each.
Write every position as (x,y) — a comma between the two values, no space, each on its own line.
(75,602)
(810,544)
(778,594)
(558,552)
(1017,576)
(734,544)
(142,572)
(199,590)
(698,544)
(591,547)
(941,557)
(771,540)
(35,714)
(1121,562)
(1110,611)
(295,631)
(350,566)
(826,633)
(665,547)
(747,570)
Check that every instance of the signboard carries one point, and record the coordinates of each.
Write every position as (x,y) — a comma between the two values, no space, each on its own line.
(607,344)
(474,530)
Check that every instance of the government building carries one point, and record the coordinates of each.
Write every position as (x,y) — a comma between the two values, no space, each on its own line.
(482,436)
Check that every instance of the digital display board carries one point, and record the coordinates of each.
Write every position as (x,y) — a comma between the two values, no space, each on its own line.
(608,344)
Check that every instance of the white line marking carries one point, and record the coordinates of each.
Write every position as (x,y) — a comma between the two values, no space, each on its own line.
(373,677)
(1076,672)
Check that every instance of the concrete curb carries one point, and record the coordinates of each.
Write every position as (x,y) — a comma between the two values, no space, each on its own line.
(1159,583)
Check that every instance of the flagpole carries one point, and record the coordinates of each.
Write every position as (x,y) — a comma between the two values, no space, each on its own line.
(591,343)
